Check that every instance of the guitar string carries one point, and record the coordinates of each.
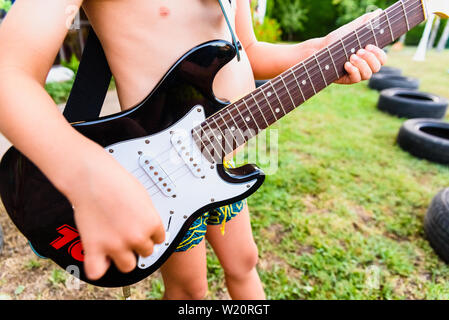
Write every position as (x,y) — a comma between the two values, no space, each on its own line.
(323,51)
(149,188)
(155,186)
(239,105)
(300,66)
(283,95)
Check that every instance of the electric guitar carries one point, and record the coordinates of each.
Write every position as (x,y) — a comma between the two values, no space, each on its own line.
(175,140)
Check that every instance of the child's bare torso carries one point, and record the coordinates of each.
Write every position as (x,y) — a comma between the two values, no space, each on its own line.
(143,38)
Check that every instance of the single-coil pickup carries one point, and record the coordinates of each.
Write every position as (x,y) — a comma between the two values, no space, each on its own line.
(159,177)
(189,154)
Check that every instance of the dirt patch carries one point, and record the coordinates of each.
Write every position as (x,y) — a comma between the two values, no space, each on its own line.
(270,260)
(273,233)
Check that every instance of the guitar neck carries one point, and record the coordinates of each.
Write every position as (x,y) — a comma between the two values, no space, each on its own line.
(234,125)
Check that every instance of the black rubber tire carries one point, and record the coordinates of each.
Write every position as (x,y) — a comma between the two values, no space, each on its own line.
(386,81)
(412,104)
(390,71)
(436,224)
(426,139)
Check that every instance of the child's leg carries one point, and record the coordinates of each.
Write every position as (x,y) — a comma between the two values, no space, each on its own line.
(238,255)
(185,274)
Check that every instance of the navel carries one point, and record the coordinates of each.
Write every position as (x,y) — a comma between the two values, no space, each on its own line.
(164,11)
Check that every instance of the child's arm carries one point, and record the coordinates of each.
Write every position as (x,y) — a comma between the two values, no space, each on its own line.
(270,60)
(113,211)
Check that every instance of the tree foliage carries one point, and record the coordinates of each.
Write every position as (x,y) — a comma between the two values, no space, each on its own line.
(291,16)
(305,19)
(5,5)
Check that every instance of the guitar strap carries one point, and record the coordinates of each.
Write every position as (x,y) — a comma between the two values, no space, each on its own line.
(94,76)
(91,83)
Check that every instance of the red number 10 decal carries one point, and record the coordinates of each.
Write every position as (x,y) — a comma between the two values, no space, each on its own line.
(68,234)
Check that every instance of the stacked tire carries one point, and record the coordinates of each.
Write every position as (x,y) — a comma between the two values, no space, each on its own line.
(412,104)
(425,135)
(426,139)
(436,224)
(382,81)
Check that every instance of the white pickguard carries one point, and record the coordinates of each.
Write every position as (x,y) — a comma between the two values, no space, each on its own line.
(187,187)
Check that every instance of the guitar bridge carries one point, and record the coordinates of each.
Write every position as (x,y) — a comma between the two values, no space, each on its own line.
(158,175)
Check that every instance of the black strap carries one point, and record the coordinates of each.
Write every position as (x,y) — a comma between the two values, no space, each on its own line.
(91,83)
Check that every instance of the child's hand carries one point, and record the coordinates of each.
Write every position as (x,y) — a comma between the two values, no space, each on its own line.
(366,62)
(114,215)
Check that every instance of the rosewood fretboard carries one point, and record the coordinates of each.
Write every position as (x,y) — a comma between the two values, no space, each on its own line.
(234,125)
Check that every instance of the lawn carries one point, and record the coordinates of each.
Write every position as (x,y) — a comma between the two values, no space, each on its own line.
(342,217)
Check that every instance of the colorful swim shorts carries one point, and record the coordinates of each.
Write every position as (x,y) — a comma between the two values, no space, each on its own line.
(197,230)
(220,216)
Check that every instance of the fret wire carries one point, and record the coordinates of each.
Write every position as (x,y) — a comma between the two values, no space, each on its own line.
(203,146)
(226,124)
(321,70)
(213,133)
(358,40)
(405,14)
(344,49)
(389,24)
(333,62)
(374,34)
(310,79)
(224,135)
(230,131)
(277,96)
(218,127)
(288,91)
(299,86)
(416,7)
(251,114)
(261,112)
(244,121)
(236,126)
(269,104)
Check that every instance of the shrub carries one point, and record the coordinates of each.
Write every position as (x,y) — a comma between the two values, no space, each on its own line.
(5,5)
(291,16)
(268,31)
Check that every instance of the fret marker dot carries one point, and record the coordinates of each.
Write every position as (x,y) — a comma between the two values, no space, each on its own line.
(232,128)
(326,67)
(278,110)
(247,119)
(268,94)
(353,50)
(382,31)
(304,82)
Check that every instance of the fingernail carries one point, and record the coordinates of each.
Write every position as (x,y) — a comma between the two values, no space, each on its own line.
(350,65)
(361,51)
(370,47)
(354,57)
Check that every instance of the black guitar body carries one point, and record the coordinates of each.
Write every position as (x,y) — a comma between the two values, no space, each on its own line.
(39,210)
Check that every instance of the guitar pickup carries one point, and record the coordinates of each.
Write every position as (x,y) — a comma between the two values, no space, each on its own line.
(158,176)
(189,155)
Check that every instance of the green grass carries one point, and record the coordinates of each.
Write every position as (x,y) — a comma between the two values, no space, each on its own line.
(342,218)
(346,199)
